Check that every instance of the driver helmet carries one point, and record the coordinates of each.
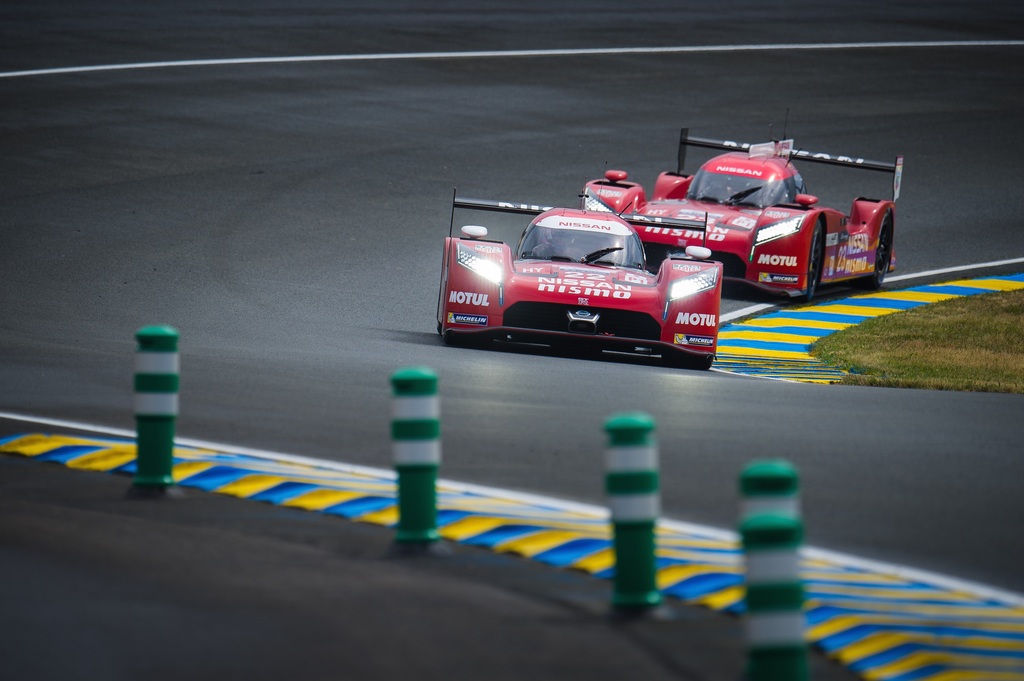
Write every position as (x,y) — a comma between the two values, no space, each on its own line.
(552,242)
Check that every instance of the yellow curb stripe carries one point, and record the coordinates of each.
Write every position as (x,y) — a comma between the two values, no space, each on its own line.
(537,542)
(105,460)
(723,599)
(251,485)
(470,527)
(860,311)
(744,334)
(674,574)
(774,321)
(726,353)
(596,562)
(385,516)
(319,499)
(185,470)
(989,284)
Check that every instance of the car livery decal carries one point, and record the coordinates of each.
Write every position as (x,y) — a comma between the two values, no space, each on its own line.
(470,319)
(690,339)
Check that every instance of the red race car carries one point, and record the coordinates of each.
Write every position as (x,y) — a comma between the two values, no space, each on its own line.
(577,281)
(761,223)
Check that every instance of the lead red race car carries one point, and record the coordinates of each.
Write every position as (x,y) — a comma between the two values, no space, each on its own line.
(762,224)
(577,281)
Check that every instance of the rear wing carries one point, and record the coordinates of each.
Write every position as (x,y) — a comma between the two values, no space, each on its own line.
(635,219)
(784,148)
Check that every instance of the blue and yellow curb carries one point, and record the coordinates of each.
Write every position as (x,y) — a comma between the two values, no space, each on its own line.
(879,625)
(778,345)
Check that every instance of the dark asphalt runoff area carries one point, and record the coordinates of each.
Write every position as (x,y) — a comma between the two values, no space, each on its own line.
(98,585)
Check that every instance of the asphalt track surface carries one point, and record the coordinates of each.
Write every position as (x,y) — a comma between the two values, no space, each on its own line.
(287,219)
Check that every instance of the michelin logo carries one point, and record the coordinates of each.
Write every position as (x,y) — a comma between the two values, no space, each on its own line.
(689,339)
(471,319)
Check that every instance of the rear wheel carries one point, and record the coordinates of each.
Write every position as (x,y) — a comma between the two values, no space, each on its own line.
(815,257)
(883,254)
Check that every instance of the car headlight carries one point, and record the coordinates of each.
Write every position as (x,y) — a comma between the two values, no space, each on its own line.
(488,269)
(776,231)
(704,281)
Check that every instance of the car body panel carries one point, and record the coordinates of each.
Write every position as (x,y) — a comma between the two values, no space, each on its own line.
(489,292)
(764,237)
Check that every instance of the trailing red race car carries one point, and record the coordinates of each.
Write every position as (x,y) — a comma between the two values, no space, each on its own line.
(577,281)
(761,223)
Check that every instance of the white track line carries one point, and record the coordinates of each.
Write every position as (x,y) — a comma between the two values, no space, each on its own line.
(943,581)
(505,54)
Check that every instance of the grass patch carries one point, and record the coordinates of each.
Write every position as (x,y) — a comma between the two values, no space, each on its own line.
(975,343)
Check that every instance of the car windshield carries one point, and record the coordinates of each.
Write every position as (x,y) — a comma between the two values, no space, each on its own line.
(575,245)
(736,190)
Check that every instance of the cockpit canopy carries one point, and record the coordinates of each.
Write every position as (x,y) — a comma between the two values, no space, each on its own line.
(584,239)
(739,182)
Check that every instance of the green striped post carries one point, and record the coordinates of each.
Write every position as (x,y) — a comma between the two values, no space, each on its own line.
(771,486)
(631,484)
(416,449)
(776,642)
(156,405)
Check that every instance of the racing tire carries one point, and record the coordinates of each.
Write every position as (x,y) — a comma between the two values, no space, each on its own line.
(815,259)
(883,254)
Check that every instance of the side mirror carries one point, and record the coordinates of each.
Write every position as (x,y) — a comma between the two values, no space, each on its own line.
(698,252)
(806,200)
(474,231)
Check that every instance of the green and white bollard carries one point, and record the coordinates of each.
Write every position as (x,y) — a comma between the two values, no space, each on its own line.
(776,643)
(770,487)
(634,503)
(416,449)
(156,406)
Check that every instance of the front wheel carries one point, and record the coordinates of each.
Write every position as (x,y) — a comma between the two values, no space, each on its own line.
(815,257)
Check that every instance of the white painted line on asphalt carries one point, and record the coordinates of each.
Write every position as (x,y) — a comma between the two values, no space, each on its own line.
(959,268)
(504,54)
(743,312)
(980,590)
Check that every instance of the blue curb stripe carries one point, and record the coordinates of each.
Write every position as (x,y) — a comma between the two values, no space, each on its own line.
(900,651)
(953,290)
(790,330)
(810,315)
(213,478)
(572,551)
(447,517)
(500,535)
(286,491)
(762,345)
(358,507)
(888,303)
(919,674)
(703,585)
(832,643)
(68,453)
